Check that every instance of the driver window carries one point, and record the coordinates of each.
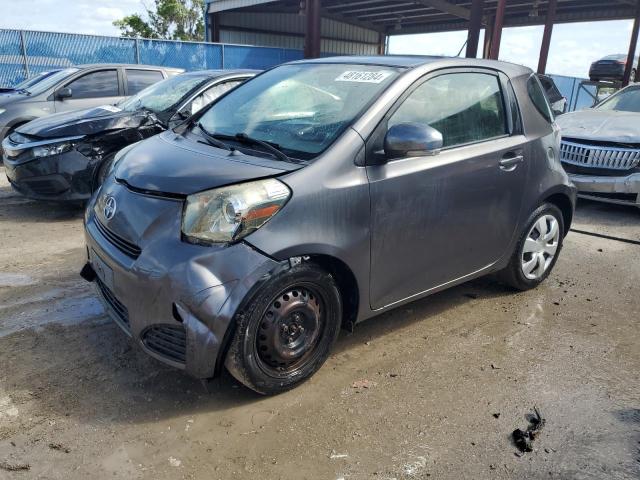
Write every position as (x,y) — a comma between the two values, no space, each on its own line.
(464,107)
(209,95)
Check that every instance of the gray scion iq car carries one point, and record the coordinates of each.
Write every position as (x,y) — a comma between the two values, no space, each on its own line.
(319,194)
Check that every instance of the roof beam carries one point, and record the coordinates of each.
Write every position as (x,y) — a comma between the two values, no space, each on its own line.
(447,7)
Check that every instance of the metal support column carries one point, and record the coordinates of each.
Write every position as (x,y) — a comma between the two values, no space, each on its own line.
(475,24)
(497,30)
(488,37)
(25,58)
(546,36)
(382,44)
(214,22)
(631,56)
(312,32)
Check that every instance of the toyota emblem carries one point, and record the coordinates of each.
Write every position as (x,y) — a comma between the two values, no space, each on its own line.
(109,207)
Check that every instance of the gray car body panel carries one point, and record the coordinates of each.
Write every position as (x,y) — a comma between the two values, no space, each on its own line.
(340,211)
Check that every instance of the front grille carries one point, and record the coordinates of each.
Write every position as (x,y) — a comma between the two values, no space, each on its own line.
(169,341)
(596,156)
(118,308)
(125,246)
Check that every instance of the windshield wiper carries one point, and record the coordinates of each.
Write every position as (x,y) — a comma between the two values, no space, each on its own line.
(247,140)
(211,138)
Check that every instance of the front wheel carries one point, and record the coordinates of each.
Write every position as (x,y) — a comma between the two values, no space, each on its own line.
(537,249)
(287,330)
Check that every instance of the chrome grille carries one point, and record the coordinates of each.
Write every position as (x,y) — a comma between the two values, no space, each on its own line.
(614,158)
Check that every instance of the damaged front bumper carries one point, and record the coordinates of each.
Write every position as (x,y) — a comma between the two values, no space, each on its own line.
(66,176)
(624,190)
(176,300)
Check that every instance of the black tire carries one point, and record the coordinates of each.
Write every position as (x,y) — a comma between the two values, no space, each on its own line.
(304,295)
(513,275)
(102,172)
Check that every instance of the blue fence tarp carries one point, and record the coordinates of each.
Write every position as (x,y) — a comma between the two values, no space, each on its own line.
(25,53)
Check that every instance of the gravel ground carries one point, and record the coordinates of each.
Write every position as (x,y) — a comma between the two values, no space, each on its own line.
(447,378)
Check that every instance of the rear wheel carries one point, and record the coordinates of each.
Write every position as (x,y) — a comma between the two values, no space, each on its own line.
(537,250)
(287,330)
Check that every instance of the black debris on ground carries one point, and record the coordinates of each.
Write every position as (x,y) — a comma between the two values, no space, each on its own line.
(59,447)
(15,467)
(523,439)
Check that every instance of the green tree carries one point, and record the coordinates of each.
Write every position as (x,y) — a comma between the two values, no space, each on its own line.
(166,19)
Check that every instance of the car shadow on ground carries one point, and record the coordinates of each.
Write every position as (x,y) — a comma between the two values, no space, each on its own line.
(92,370)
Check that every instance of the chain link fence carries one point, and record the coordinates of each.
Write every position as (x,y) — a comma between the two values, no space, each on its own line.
(24,53)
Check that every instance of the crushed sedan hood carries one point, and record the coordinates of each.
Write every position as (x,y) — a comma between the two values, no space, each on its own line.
(84,122)
(601,125)
(172,164)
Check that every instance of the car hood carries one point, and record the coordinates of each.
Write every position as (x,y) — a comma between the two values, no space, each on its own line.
(84,122)
(601,125)
(180,165)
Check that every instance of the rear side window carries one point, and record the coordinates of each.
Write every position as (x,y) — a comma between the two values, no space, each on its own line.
(96,85)
(464,107)
(538,98)
(140,79)
(208,96)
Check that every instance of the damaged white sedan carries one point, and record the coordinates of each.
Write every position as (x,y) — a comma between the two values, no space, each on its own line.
(600,148)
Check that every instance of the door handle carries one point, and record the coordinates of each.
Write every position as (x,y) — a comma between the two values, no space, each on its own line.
(510,162)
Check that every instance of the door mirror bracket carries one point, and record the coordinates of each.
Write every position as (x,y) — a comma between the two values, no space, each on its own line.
(412,139)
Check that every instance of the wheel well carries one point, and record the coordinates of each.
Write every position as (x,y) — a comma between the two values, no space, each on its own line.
(347,285)
(564,204)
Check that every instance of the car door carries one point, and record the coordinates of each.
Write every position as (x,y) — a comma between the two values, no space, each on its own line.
(97,87)
(438,218)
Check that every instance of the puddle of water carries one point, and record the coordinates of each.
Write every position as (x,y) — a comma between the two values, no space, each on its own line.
(66,311)
(10,279)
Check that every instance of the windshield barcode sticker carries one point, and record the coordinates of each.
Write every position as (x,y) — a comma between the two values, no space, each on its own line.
(364,77)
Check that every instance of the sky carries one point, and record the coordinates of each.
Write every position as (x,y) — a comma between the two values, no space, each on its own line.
(573,46)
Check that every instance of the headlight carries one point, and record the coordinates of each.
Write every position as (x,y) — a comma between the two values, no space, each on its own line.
(53,149)
(2,110)
(228,214)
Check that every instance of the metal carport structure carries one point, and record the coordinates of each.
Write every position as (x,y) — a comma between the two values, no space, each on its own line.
(363,26)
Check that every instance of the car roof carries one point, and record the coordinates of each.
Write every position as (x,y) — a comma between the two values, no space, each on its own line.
(219,73)
(129,65)
(415,61)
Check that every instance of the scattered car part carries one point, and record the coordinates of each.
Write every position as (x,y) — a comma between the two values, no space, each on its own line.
(523,439)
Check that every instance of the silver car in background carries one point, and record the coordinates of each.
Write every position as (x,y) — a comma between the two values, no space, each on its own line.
(600,148)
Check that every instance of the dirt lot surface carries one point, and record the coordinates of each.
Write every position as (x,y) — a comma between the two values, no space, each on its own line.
(448,378)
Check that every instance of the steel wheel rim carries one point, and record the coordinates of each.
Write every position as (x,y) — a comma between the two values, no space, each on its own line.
(540,247)
(290,329)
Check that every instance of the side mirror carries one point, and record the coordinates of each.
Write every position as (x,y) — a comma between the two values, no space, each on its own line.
(64,93)
(412,139)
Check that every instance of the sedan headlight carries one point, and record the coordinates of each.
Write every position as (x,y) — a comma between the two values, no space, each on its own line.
(231,213)
(2,110)
(53,149)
